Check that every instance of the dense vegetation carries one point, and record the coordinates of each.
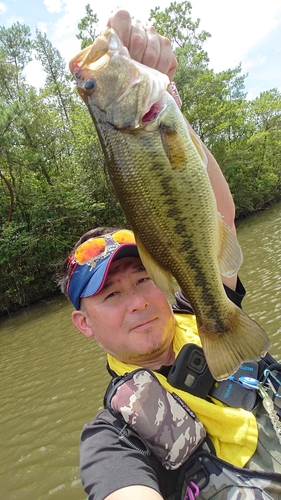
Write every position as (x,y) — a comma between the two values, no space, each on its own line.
(53,185)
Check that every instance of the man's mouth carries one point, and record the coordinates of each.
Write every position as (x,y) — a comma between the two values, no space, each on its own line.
(144,326)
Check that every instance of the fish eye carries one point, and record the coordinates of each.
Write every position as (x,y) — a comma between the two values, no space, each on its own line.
(89,84)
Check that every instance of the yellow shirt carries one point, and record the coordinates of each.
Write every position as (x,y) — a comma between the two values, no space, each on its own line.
(233,431)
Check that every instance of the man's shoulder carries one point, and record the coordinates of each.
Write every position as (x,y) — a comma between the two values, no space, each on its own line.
(105,429)
(100,434)
(103,418)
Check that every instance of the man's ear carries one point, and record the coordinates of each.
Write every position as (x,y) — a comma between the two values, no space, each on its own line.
(81,322)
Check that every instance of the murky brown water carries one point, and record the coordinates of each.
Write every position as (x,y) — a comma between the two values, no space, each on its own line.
(53,378)
(260,239)
(52,381)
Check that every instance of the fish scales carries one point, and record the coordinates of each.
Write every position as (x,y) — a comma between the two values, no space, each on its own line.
(146,216)
(159,174)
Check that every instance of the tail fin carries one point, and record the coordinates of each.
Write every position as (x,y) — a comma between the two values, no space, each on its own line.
(226,352)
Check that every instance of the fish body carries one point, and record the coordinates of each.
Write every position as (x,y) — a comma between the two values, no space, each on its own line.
(158,169)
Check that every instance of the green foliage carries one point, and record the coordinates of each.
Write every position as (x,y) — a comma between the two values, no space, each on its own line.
(16,45)
(87,27)
(252,162)
(53,184)
(176,24)
(51,159)
(215,105)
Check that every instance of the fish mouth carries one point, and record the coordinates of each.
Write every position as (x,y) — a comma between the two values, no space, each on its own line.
(153,113)
(91,58)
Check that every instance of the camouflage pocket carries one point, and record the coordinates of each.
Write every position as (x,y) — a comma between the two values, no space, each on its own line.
(163,420)
(215,479)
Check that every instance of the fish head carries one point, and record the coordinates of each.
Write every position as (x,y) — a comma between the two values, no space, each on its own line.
(115,86)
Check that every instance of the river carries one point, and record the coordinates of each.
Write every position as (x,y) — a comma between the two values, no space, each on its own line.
(53,378)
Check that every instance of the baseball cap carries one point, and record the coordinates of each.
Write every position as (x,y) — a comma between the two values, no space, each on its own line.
(91,262)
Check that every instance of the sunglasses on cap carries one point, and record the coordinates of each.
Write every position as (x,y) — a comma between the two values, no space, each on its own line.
(90,262)
(94,249)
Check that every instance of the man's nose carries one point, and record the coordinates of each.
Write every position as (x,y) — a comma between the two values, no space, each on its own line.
(137,301)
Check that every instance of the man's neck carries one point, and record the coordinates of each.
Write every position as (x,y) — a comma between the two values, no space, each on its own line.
(165,359)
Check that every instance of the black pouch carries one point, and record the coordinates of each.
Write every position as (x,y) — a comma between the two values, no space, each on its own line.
(209,478)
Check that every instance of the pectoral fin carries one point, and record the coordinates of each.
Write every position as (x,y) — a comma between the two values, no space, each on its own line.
(230,254)
(174,148)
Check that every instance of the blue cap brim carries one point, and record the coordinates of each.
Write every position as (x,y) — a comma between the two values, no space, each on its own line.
(87,281)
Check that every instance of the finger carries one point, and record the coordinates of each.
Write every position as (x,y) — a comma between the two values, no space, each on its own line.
(159,54)
(144,43)
(167,62)
(151,54)
(121,23)
(138,40)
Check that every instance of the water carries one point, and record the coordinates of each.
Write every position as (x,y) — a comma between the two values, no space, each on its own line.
(53,378)
(52,381)
(260,239)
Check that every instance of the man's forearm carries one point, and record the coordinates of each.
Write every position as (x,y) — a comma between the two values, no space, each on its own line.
(135,492)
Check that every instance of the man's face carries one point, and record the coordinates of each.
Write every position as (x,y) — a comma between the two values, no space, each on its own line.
(130,318)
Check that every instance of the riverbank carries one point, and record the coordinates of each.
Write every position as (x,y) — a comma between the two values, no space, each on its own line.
(42,287)
(44,301)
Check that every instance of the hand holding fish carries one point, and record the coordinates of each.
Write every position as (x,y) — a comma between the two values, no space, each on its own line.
(145,45)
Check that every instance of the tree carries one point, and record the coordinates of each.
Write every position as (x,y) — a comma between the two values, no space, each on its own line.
(11,194)
(87,27)
(15,53)
(175,23)
(215,106)
(16,45)
(55,69)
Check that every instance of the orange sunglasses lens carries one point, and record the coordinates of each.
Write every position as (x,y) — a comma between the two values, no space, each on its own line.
(92,248)
(124,236)
(89,250)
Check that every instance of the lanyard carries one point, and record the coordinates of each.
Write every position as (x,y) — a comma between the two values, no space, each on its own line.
(255,385)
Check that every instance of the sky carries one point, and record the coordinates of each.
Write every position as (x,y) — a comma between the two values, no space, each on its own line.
(246,31)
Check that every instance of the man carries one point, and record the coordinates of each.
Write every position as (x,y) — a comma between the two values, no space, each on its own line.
(117,303)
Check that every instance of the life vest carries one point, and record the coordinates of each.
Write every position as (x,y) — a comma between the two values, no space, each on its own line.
(159,423)
(233,431)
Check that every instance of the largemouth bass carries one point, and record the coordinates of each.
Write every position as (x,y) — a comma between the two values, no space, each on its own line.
(158,169)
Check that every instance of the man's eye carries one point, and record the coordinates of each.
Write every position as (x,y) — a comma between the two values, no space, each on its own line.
(110,295)
(144,280)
